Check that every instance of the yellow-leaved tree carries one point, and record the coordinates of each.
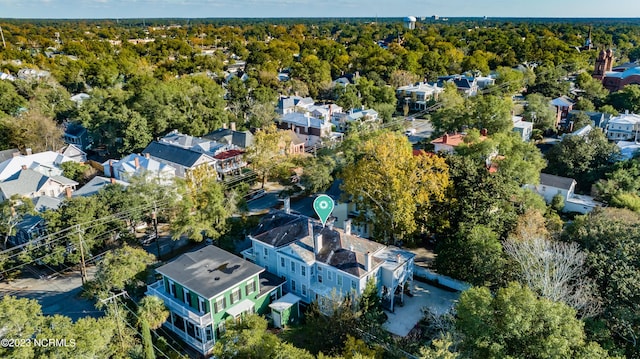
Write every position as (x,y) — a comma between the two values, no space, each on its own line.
(389,184)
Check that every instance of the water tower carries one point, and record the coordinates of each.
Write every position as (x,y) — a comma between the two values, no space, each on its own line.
(410,22)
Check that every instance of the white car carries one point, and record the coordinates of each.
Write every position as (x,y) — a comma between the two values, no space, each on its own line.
(410,132)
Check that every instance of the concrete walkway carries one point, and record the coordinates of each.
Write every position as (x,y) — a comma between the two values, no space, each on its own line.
(406,317)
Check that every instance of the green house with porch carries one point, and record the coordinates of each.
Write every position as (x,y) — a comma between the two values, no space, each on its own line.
(205,288)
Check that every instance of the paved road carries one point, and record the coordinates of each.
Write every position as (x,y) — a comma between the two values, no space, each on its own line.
(60,295)
(264,203)
(424,129)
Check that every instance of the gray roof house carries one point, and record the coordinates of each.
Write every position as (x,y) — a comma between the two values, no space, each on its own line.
(318,261)
(182,159)
(32,184)
(242,139)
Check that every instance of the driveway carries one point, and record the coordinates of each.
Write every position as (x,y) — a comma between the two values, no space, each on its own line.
(406,317)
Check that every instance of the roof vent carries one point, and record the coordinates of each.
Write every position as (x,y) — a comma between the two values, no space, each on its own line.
(216,278)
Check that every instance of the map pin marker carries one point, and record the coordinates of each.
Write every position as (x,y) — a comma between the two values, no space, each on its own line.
(323,205)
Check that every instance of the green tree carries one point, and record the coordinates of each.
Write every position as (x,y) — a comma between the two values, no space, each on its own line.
(584,159)
(491,112)
(10,100)
(122,267)
(317,173)
(540,112)
(264,151)
(474,255)
(626,99)
(511,81)
(516,323)
(389,182)
(75,171)
(203,208)
(611,239)
(249,338)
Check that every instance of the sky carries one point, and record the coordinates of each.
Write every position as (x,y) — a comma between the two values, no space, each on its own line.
(314,8)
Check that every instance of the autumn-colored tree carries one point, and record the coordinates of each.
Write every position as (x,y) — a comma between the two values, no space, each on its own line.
(265,150)
(389,183)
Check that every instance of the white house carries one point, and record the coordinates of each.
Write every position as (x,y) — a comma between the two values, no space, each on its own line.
(342,121)
(628,149)
(137,165)
(551,186)
(417,95)
(318,262)
(624,127)
(29,183)
(523,128)
(47,163)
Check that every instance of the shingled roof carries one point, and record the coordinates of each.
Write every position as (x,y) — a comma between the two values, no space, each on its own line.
(174,154)
(339,250)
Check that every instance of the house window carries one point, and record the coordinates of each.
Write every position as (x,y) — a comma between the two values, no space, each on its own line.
(281,262)
(251,287)
(339,278)
(319,278)
(202,307)
(353,284)
(304,290)
(172,288)
(235,296)
(266,252)
(329,275)
(303,271)
(293,267)
(293,285)
(187,296)
(220,304)
(208,333)
(221,329)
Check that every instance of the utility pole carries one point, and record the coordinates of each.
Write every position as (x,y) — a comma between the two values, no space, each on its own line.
(2,34)
(112,300)
(83,269)
(155,225)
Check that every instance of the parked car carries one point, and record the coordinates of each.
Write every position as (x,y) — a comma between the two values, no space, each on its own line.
(410,132)
(148,238)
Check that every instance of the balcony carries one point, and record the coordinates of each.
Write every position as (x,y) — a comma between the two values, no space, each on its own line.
(177,306)
(249,255)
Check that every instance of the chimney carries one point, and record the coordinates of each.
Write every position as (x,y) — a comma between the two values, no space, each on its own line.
(136,160)
(347,227)
(15,154)
(317,243)
(484,132)
(310,228)
(287,205)
(29,151)
(111,174)
(445,138)
(24,167)
(224,125)
(68,192)
(147,155)
(626,112)
(113,180)
(232,125)
(368,261)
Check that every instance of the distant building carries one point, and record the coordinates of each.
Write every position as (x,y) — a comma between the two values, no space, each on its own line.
(604,64)
(624,127)
(409,22)
(418,95)
(551,186)
(523,128)
(76,134)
